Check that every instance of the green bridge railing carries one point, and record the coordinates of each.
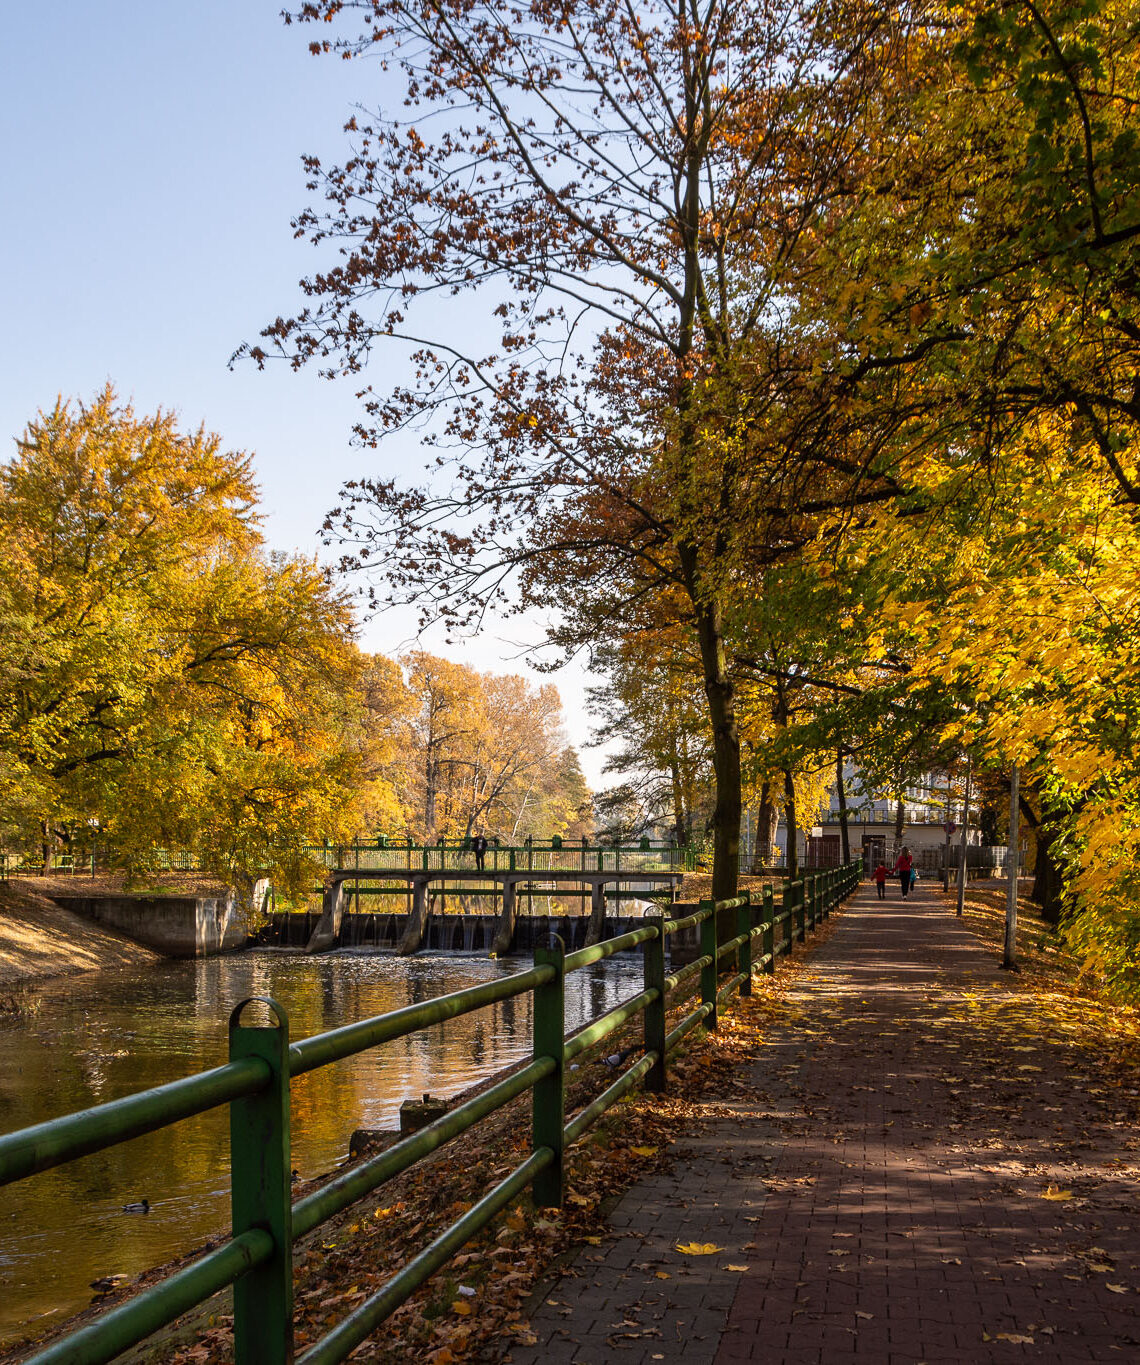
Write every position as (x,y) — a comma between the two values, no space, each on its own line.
(536,855)
(254,1082)
(380,854)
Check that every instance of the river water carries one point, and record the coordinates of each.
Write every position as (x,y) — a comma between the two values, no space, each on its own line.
(96,1037)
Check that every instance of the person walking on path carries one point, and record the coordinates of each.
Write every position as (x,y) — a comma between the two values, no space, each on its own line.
(479,845)
(880,878)
(905,868)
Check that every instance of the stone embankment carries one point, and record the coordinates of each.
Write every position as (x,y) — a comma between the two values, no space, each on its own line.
(39,938)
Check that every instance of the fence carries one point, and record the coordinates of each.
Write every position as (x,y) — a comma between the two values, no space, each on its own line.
(254,1082)
(536,856)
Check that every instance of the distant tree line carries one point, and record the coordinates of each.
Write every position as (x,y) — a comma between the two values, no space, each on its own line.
(168,682)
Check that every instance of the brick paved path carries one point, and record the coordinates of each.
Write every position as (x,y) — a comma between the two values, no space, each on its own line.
(884,1197)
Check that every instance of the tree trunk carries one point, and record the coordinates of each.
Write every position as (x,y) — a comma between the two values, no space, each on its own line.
(766,817)
(720,693)
(680,823)
(844,833)
(900,820)
(792,860)
(1047,876)
(1047,873)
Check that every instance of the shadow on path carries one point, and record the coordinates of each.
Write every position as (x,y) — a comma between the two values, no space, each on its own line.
(929,1169)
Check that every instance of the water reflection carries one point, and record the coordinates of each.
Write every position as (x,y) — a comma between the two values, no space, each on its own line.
(96,1038)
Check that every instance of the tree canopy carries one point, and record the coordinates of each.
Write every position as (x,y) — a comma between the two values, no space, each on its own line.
(166,681)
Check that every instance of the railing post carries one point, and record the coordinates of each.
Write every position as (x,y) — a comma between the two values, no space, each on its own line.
(709,970)
(744,952)
(261,1193)
(654,968)
(801,933)
(788,908)
(769,939)
(548,1099)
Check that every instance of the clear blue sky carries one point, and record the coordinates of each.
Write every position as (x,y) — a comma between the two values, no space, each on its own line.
(152,165)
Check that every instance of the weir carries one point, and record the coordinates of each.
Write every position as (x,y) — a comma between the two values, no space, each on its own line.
(421,873)
(455,933)
(505,886)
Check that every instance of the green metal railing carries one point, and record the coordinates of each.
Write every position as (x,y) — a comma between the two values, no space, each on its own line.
(538,855)
(546,855)
(254,1082)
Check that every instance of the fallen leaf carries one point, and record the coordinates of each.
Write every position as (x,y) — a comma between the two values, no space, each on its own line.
(1055,1192)
(663,1275)
(1018,1338)
(1117,1288)
(644,1151)
(698,1248)
(740,1269)
(860,1314)
(461,1307)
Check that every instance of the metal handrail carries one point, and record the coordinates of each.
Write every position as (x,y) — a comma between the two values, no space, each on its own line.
(257,1260)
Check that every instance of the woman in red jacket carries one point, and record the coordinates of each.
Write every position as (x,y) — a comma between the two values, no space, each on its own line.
(905,868)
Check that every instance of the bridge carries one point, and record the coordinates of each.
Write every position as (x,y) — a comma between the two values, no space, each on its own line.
(422,871)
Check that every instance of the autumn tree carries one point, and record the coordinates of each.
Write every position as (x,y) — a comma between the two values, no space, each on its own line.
(165,680)
(621,190)
(651,712)
(486,751)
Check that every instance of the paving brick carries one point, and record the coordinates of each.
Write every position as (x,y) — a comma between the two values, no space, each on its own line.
(878,1153)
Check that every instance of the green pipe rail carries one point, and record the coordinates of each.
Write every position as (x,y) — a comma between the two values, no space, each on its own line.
(255,1081)
(545,855)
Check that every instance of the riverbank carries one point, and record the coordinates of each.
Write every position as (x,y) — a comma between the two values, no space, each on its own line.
(39,940)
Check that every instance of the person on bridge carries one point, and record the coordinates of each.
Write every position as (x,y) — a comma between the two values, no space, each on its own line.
(905,868)
(880,875)
(479,845)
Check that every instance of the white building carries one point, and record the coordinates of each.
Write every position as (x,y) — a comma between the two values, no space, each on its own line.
(931,808)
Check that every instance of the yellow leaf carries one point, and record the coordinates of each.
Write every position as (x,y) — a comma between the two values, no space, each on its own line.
(462,1307)
(644,1151)
(1117,1288)
(663,1275)
(593,1241)
(740,1269)
(1055,1192)
(698,1248)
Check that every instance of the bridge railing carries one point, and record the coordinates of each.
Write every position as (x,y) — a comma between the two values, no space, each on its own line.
(255,1084)
(544,856)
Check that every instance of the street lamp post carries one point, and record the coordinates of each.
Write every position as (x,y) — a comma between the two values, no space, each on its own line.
(1009,956)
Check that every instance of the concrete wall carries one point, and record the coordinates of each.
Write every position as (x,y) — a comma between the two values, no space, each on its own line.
(176,926)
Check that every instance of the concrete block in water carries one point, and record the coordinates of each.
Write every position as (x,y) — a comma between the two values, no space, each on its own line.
(417,1114)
